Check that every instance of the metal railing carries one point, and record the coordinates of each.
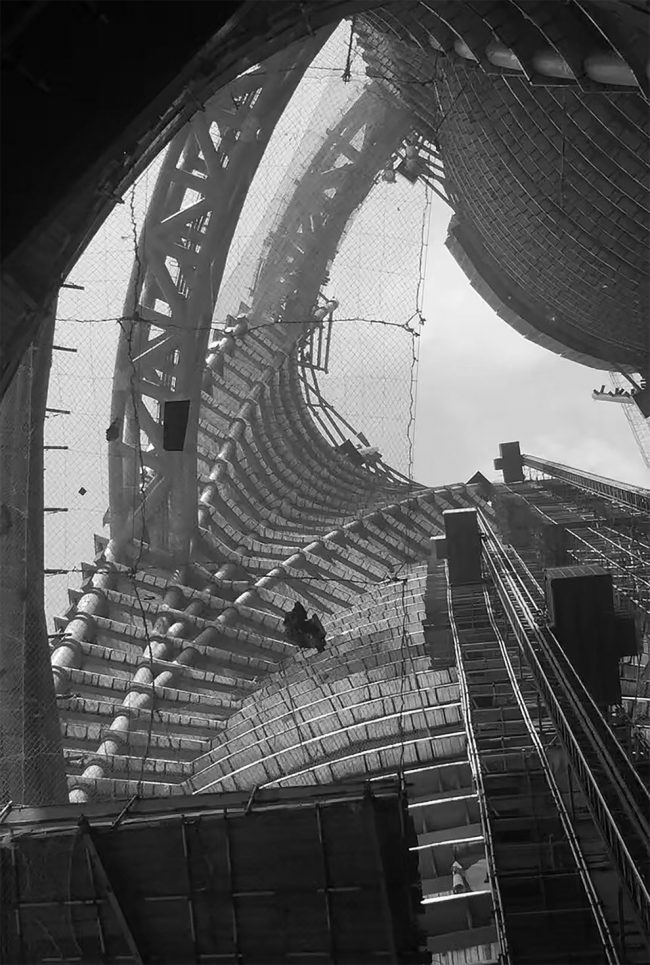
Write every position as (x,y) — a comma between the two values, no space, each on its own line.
(473,755)
(635,496)
(618,800)
(565,820)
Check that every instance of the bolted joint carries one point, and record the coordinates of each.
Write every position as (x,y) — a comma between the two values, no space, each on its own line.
(238,428)
(68,650)
(248,598)
(81,793)
(187,656)
(208,494)
(117,733)
(61,677)
(92,601)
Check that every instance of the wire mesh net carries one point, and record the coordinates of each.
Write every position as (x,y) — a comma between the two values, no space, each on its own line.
(86,333)
(375,275)
(375,279)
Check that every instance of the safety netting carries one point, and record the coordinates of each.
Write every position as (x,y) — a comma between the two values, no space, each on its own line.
(375,277)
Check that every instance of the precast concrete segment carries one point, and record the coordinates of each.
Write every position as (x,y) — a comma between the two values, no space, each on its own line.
(319,707)
(280,465)
(601,48)
(31,761)
(269,457)
(242,625)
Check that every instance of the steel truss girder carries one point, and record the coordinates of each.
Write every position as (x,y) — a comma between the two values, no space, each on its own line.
(178,267)
(635,496)
(323,205)
(639,426)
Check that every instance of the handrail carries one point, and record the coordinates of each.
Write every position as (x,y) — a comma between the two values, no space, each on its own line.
(613,489)
(544,647)
(601,732)
(565,820)
(472,753)
(585,705)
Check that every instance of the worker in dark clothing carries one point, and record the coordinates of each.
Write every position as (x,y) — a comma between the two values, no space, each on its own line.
(293,621)
(304,632)
(316,631)
(113,431)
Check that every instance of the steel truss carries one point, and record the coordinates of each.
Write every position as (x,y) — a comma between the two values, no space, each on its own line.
(639,426)
(251,392)
(181,255)
(617,492)
(338,179)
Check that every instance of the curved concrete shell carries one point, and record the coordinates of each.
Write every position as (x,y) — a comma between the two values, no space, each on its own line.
(172,667)
(546,172)
(539,108)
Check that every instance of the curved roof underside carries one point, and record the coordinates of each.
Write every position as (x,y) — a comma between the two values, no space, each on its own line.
(286,517)
(547,170)
(158,667)
(593,53)
(161,650)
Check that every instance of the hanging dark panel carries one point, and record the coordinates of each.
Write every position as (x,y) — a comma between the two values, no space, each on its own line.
(175,416)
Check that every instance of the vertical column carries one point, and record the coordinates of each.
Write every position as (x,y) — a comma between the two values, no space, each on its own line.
(31,759)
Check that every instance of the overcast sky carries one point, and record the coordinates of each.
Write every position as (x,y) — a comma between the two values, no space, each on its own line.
(481,383)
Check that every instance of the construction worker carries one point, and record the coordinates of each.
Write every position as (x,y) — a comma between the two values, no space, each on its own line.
(458,883)
(302,631)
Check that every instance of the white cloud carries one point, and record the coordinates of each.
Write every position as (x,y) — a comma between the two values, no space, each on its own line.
(481,383)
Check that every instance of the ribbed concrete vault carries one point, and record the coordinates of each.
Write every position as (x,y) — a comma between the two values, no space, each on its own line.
(215,630)
(176,638)
(545,168)
(159,661)
(371,703)
(172,669)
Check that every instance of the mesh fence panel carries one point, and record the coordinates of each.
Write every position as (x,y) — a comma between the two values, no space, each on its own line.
(76,475)
(370,277)
(375,276)
(372,366)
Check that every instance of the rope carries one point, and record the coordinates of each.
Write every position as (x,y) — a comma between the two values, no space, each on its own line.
(348,63)
(139,456)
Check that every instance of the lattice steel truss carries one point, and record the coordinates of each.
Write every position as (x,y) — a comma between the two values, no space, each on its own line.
(192,217)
